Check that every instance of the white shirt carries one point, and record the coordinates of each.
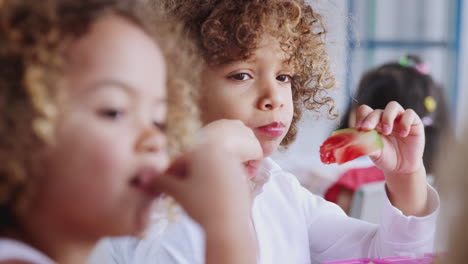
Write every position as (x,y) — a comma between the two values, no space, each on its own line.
(292,226)
(15,250)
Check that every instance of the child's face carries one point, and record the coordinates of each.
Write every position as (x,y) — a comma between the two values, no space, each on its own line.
(256,91)
(108,136)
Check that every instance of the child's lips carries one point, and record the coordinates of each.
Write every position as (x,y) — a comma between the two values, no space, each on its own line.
(143,181)
(274,129)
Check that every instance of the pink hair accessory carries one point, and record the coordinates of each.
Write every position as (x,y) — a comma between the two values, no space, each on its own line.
(423,68)
(427,121)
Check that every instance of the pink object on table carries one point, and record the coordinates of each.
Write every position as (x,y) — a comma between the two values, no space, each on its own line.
(352,180)
(427,259)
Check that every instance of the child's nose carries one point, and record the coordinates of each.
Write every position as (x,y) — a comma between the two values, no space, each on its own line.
(151,141)
(270,99)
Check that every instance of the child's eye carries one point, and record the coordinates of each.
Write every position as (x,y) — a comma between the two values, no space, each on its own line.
(284,78)
(111,113)
(159,125)
(241,76)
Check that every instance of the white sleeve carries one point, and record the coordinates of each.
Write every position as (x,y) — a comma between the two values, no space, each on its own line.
(182,242)
(113,251)
(333,235)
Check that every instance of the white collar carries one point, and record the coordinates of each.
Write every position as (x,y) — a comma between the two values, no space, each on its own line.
(16,250)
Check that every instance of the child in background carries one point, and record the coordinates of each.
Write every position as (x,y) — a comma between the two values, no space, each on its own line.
(265,62)
(82,136)
(409,83)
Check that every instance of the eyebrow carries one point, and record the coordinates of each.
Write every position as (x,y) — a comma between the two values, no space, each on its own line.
(115,84)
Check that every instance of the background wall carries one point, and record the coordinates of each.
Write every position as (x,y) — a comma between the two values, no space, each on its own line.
(462,112)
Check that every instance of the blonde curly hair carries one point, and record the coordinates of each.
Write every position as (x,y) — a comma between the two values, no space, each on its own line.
(230,30)
(34,36)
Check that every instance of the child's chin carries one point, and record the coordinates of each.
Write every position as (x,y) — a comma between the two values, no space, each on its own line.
(143,220)
(138,224)
(269,148)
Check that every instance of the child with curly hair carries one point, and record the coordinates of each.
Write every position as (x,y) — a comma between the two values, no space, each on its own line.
(83,121)
(266,62)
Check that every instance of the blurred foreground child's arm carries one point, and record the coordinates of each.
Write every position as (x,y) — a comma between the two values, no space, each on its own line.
(207,182)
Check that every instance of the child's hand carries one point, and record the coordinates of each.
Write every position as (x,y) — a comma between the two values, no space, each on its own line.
(402,133)
(211,179)
(401,158)
(210,183)
(237,138)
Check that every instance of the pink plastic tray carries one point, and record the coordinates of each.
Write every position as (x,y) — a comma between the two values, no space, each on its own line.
(427,259)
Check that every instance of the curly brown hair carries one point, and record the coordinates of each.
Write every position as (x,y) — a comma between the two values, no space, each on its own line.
(34,36)
(230,30)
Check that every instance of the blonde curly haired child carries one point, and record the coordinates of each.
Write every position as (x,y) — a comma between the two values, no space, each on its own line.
(84,113)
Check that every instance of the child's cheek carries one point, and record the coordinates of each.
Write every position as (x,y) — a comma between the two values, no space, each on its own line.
(99,151)
(111,158)
(290,108)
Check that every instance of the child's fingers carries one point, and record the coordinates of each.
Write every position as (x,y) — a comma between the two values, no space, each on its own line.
(408,119)
(251,149)
(361,113)
(252,166)
(179,166)
(169,184)
(390,114)
(178,170)
(372,120)
(256,151)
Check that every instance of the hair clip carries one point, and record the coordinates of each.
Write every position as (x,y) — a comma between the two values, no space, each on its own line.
(404,61)
(430,104)
(423,68)
(427,121)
